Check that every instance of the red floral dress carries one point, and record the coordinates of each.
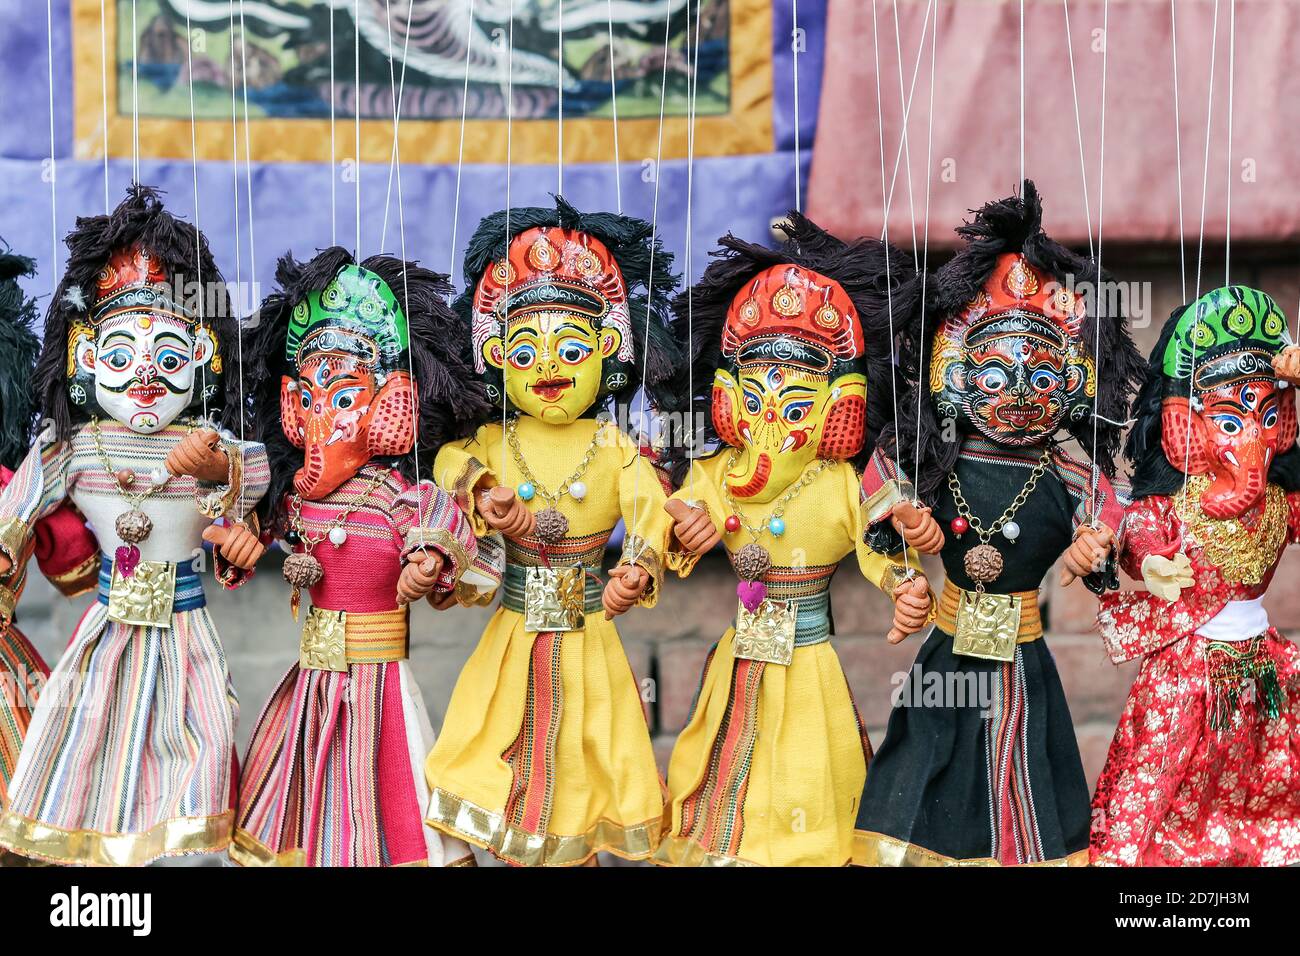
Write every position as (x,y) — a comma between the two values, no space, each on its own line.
(1204,768)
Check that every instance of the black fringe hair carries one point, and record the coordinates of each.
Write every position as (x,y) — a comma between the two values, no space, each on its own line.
(18,348)
(1013,224)
(452,400)
(875,277)
(140,219)
(647,275)
(1153,474)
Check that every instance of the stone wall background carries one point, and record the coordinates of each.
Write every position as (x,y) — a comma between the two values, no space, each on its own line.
(668,644)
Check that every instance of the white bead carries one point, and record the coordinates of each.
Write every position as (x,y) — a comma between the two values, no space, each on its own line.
(1011,531)
(578,490)
(158,475)
(337,536)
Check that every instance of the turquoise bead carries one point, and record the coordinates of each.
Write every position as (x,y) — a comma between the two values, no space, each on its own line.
(527,491)
(777,527)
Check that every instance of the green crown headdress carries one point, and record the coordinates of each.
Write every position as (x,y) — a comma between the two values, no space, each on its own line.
(356,313)
(1228,335)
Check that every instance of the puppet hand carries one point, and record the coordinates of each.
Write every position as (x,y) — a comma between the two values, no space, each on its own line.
(918,527)
(237,544)
(626,584)
(1087,554)
(1286,364)
(200,456)
(505,513)
(911,608)
(419,575)
(692,526)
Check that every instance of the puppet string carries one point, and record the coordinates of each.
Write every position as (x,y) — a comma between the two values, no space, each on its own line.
(794,57)
(103,87)
(356,116)
(54,179)
(907,107)
(690,432)
(460,151)
(613,105)
(135,97)
(559,100)
(925,248)
(332,170)
(397,93)
(505,318)
(1178,148)
(1022,92)
(630,530)
(1102,295)
(884,200)
(1227,228)
(194,174)
(1078,129)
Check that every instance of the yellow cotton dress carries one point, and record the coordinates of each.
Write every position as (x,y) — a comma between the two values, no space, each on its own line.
(545,756)
(770,766)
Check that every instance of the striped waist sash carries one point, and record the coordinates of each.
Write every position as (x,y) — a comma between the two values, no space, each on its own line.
(335,640)
(512,589)
(189,585)
(812,621)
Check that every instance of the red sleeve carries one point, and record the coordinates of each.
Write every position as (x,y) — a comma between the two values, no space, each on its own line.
(66,552)
(1150,527)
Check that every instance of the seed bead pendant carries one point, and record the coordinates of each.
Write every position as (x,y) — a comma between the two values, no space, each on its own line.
(552,526)
(983,563)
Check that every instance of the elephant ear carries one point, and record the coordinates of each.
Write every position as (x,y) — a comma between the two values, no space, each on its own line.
(845,428)
(723,408)
(291,422)
(1286,420)
(1182,436)
(392,427)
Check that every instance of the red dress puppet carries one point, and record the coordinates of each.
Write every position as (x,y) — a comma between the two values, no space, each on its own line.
(1204,768)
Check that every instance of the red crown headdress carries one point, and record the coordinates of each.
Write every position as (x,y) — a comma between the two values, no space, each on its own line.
(131,282)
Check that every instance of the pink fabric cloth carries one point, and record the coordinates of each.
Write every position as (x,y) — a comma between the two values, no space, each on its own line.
(977,114)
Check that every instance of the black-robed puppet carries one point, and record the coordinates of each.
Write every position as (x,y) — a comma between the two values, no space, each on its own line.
(1019,352)
(791,368)
(139,367)
(360,376)
(545,757)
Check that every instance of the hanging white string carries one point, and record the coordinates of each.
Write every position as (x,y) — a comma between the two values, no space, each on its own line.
(559,91)
(103,89)
(53,171)
(505,319)
(1022,93)
(629,530)
(401,232)
(201,309)
(884,201)
(1200,246)
(1178,149)
(234,169)
(1227,226)
(248,171)
(907,107)
(1078,130)
(794,51)
(1101,293)
(613,104)
(135,97)
(397,96)
(333,169)
(925,247)
(356,114)
(693,85)
(460,154)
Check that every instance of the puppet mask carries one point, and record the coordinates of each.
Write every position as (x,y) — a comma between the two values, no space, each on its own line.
(792,386)
(138,357)
(561,298)
(353,398)
(1011,366)
(1220,355)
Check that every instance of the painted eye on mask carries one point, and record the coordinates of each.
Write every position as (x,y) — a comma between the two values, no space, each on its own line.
(1044,381)
(118,359)
(992,380)
(306,398)
(1270,416)
(1228,424)
(346,398)
(572,352)
(169,360)
(796,412)
(753,404)
(523,357)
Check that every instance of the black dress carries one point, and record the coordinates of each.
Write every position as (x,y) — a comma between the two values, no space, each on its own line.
(980,762)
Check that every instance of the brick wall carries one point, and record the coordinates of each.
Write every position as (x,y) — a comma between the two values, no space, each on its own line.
(669,644)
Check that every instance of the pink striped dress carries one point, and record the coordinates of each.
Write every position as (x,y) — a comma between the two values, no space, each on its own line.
(334,772)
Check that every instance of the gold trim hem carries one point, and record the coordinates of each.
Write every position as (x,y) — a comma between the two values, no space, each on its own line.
(676,850)
(14,533)
(179,836)
(877,849)
(80,580)
(248,851)
(475,825)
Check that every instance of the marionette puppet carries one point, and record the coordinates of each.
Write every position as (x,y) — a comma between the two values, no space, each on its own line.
(1015,360)
(1204,768)
(545,757)
(128,756)
(356,361)
(65,550)
(791,367)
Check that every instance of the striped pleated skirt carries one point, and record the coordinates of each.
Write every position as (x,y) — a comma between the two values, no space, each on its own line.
(23,673)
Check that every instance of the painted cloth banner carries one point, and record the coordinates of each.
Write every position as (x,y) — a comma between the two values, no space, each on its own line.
(291,197)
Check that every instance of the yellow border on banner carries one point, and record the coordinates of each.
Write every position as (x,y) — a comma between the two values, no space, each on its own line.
(747,128)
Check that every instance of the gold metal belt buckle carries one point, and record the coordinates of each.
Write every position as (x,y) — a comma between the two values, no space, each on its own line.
(554,599)
(145,598)
(987,626)
(766,634)
(324,645)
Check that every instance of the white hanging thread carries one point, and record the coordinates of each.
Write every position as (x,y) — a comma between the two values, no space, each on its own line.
(103,88)
(1178,149)
(1100,291)
(397,94)
(54,178)
(1227,228)
(693,85)
(333,168)
(505,319)
(925,253)
(194,174)
(613,104)
(1022,92)
(907,107)
(401,231)
(135,97)
(794,51)
(356,115)
(559,94)
(460,152)
(1078,130)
